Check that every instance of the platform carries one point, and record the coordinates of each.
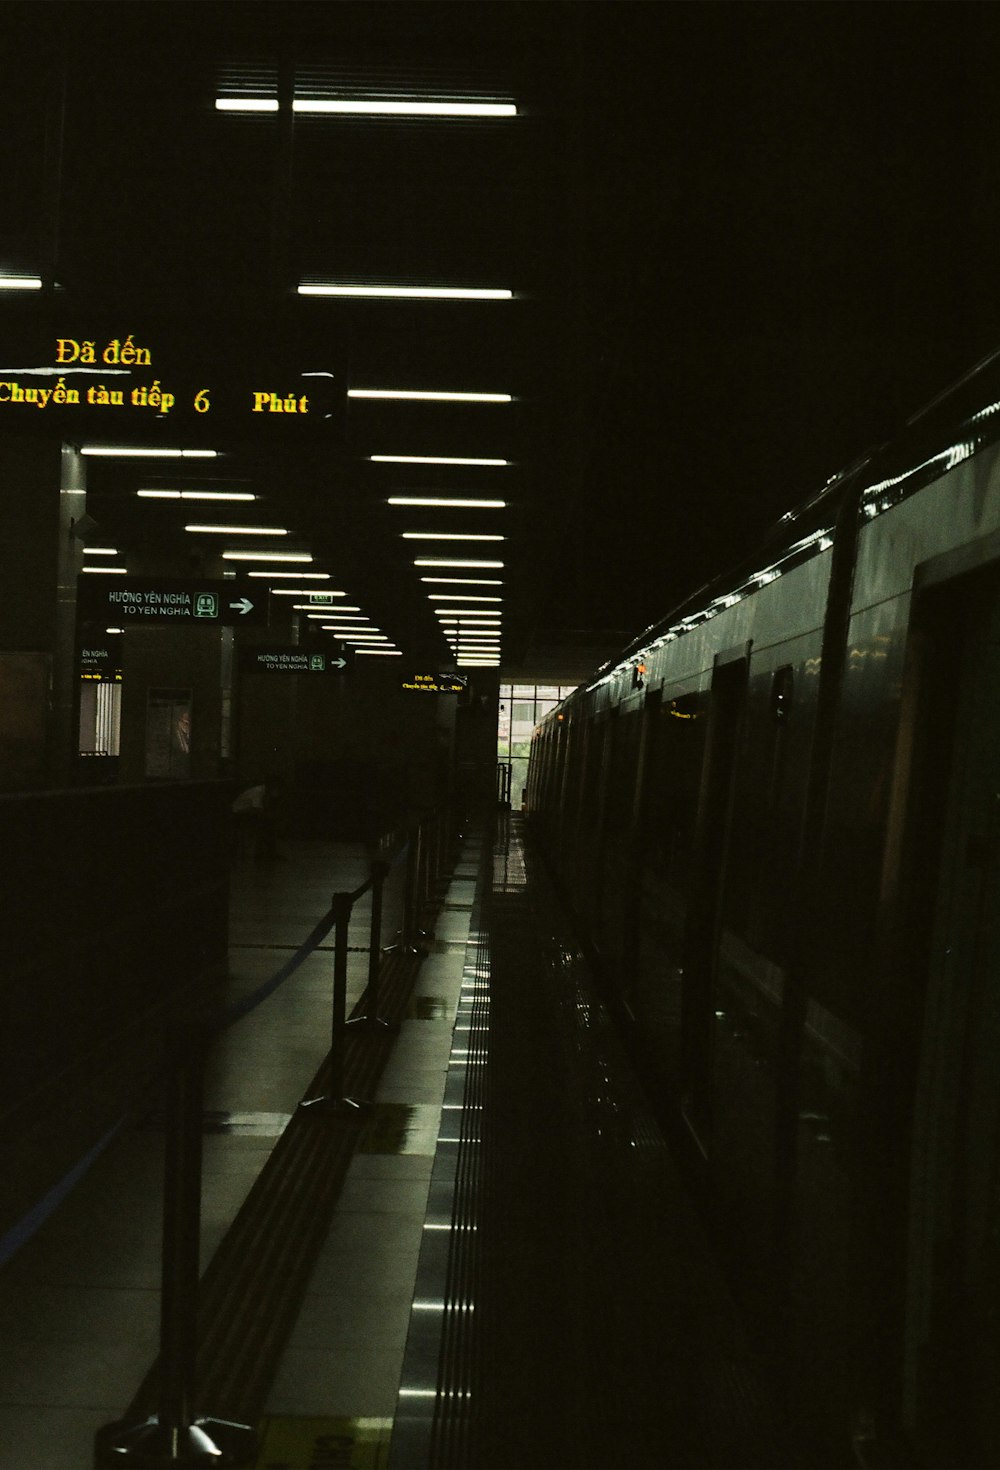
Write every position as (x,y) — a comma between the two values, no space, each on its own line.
(512,1277)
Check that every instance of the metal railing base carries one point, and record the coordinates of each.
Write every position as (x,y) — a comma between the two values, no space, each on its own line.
(335,1107)
(207,1441)
(373,1023)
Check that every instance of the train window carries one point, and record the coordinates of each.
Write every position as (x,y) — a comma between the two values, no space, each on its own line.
(781,692)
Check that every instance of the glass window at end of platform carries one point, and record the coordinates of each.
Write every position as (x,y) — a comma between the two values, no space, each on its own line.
(521,708)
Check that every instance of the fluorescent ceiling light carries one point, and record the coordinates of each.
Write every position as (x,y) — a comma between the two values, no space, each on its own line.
(20,283)
(107,571)
(315,610)
(425,396)
(478,663)
(385,652)
(111,450)
(369,107)
(465,582)
(348,637)
(450,536)
(401,107)
(114,630)
(458,596)
(266,556)
(416,293)
(441,501)
(447,561)
(299,591)
(302,576)
(239,530)
(196,494)
(246,104)
(432,459)
(99,551)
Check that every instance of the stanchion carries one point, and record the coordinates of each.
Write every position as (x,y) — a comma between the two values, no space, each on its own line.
(174,1436)
(334,1102)
(411,938)
(435,855)
(371,1018)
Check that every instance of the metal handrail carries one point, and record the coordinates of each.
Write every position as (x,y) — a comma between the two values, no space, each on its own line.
(174,1436)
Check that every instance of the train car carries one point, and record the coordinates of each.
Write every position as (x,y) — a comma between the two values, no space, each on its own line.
(776,816)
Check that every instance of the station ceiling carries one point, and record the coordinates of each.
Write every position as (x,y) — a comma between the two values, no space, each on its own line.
(734,248)
(181,192)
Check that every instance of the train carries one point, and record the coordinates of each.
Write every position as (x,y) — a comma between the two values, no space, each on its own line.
(776,819)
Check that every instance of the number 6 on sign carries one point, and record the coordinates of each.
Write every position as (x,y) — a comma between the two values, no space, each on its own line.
(201,403)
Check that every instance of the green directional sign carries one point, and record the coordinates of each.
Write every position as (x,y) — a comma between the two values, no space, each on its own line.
(137,601)
(292,660)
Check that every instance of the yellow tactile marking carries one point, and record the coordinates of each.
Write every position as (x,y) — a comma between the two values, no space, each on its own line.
(324,1444)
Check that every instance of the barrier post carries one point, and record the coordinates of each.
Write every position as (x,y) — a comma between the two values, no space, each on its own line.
(410,891)
(371,1018)
(436,853)
(334,1101)
(174,1436)
(414,937)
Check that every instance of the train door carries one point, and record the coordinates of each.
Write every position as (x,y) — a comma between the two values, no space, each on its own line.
(952,1351)
(729,683)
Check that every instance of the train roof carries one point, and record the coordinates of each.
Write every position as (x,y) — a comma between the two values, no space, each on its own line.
(956,424)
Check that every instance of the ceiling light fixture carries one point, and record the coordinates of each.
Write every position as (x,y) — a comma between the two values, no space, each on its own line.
(433,459)
(458,596)
(107,571)
(450,504)
(246,104)
(465,582)
(20,283)
(303,576)
(414,293)
(99,551)
(450,536)
(401,107)
(196,494)
(110,451)
(369,107)
(299,591)
(422,396)
(239,530)
(448,561)
(329,612)
(266,556)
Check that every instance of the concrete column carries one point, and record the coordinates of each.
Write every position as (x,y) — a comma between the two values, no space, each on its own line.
(42,501)
(174,688)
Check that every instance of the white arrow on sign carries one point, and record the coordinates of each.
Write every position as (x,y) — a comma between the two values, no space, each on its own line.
(338,663)
(244,605)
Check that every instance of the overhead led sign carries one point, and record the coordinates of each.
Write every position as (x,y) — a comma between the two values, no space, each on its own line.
(436,683)
(126,383)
